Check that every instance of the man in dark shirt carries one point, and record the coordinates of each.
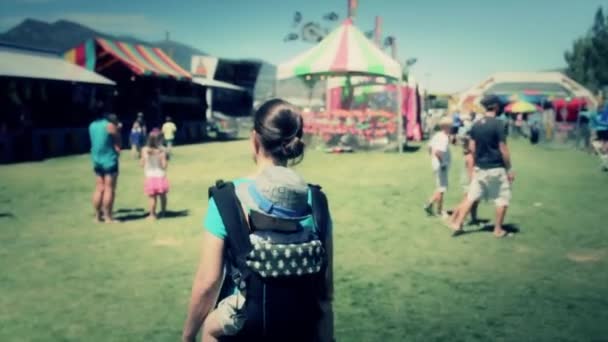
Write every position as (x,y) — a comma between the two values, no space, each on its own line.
(493,176)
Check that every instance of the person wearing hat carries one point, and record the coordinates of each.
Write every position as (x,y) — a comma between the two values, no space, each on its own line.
(493,176)
(439,148)
(275,200)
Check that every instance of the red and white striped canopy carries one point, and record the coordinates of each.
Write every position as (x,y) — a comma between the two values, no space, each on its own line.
(346,50)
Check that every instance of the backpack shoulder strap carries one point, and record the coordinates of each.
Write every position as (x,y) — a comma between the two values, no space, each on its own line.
(320,211)
(237,230)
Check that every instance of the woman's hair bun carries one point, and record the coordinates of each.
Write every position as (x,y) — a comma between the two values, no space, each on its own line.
(294,148)
(279,126)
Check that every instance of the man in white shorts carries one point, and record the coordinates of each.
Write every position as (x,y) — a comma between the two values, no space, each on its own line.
(439,148)
(493,176)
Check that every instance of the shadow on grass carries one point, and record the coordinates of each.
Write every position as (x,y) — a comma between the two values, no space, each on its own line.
(7,215)
(411,149)
(175,214)
(393,148)
(485,222)
(510,228)
(131,217)
(140,214)
(225,140)
(129,211)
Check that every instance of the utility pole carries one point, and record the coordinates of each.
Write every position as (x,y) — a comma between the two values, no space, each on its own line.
(167,39)
(378,31)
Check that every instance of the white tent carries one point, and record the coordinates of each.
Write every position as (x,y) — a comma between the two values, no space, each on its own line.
(552,83)
(15,62)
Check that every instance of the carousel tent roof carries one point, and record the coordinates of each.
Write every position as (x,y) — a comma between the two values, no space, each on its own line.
(346,50)
(16,62)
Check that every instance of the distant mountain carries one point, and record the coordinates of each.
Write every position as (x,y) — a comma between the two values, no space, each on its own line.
(63,35)
(59,36)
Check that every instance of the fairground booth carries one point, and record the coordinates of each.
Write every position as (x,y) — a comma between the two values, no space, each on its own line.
(46,104)
(148,81)
(347,57)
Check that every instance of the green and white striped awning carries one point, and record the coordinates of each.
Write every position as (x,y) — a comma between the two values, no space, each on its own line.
(346,50)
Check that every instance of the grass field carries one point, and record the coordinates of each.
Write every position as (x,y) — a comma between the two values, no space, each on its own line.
(399,275)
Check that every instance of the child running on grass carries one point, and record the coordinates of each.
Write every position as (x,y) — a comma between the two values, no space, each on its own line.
(154,161)
(465,179)
(439,148)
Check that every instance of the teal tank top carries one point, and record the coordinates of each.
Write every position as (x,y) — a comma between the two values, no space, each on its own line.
(102,144)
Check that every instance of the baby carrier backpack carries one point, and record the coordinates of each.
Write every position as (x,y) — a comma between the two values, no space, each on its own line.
(282,282)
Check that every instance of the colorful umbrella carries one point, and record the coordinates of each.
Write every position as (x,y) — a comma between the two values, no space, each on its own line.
(521,107)
(346,50)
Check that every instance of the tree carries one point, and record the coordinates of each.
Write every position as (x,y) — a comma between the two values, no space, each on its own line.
(579,62)
(587,60)
(599,51)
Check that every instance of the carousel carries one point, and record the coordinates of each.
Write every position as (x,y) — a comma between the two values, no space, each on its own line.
(348,56)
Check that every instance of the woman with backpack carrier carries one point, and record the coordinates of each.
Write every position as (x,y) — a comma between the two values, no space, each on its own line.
(265,272)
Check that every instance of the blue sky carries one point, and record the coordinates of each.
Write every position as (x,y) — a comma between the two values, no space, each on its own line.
(457,43)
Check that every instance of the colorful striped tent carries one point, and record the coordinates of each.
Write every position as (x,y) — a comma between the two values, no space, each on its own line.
(100,54)
(346,50)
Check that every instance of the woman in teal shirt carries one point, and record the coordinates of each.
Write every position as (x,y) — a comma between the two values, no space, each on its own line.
(105,150)
(275,140)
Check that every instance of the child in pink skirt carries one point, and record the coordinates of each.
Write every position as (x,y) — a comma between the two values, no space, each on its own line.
(154,162)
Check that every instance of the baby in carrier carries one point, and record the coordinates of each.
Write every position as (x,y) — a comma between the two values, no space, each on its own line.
(277,210)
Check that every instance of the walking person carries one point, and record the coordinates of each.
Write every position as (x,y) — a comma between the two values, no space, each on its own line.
(583,135)
(439,149)
(493,176)
(466,176)
(169,130)
(142,123)
(154,161)
(549,118)
(136,138)
(273,233)
(519,126)
(456,124)
(105,150)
